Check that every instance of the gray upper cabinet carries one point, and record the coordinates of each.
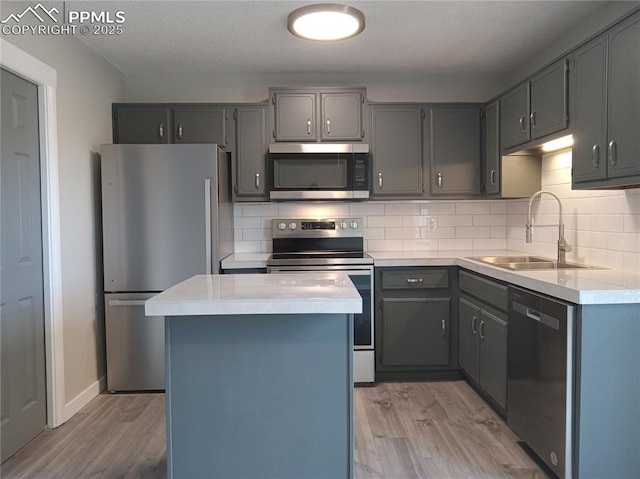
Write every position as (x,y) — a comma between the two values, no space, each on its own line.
(492,149)
(514,117)
(536,108)
(606,109)
(295,116)
(200,124)
(169,123)
(549,104)
(317,114)
(251,144)
(511,176)
(140,123)
(397,150)
(341,116)
(455,150)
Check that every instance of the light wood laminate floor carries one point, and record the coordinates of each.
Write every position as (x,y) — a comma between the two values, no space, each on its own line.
(402,430)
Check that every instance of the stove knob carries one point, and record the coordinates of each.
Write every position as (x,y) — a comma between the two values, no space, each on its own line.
(354,225)
(282,226)
(292,226)
(343,224)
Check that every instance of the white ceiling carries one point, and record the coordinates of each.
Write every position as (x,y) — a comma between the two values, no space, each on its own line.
(412,37)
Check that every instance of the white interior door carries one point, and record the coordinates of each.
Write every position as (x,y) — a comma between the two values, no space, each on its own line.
(22,364)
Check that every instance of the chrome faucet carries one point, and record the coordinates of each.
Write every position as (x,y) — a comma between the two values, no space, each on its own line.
(563,247)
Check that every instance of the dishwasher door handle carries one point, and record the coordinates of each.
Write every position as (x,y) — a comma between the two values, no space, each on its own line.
(536,315)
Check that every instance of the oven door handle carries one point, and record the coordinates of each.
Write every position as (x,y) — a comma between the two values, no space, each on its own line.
(354,270)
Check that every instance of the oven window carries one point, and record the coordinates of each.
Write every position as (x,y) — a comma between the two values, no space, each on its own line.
(362,322)
(324,174)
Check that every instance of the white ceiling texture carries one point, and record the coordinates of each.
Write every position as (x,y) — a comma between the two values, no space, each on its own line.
(412,37)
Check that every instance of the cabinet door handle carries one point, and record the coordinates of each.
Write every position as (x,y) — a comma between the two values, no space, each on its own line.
(443,327)
(613,154)
(328,126)
(180,132)
(595,156)
(482,330)
(533,119)
(414,280)
(493,177)
(522,123)
(257,181)
(474,326)
(308,126)
(161,131)
(380,180)
(439,180)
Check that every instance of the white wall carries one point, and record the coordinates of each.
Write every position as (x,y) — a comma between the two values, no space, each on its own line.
(87,85)
(388,87)
(603,227)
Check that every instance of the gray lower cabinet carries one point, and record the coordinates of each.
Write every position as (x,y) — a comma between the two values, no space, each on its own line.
(536,108)
(330,114)
(606,103)
(455,150)
(482,335)
(251,144)
(397,152)
(141,123)
(413,322)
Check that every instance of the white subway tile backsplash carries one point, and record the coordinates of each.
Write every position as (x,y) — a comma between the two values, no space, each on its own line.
(384,245)
(473,208)
(366,209)
(631,223)
(441,232)
(395,209)
(414,220)
(614,223)
(260,234)
(494,243)
(420,245)
(384,221)
(455,244)
(489,220)
(402,233)
(262,209)
(498,207)
(473,232)
(373,233)
(296,210)
(455,220)
(433,208)
(337,210)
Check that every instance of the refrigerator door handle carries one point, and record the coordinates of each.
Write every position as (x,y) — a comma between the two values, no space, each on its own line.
(124,302)
(207,223)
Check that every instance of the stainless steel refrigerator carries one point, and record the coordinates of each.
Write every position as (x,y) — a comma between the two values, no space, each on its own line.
(166,216)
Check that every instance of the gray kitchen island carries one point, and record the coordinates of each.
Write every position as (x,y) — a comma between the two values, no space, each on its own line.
(259,375)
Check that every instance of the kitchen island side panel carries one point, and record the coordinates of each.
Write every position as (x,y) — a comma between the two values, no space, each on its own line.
(258,396)
(608,392)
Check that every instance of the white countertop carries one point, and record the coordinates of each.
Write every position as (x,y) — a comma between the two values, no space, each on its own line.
(230,294)
(580,286)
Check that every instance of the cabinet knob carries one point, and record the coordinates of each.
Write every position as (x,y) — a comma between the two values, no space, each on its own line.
(533,119)
(180,132)
(161,131)
(482,330)
(443,327)
(380,180)
(474,326)
(414,280)
(522,123)
(257,181)
(493,177)
(439,180)
(328,126)
(308,126)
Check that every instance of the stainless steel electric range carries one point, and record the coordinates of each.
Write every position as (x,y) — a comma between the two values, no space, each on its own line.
(335,244)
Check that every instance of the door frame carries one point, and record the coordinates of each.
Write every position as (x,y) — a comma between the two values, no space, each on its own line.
(45,77)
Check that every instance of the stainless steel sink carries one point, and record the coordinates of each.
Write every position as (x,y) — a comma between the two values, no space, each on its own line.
(521,263)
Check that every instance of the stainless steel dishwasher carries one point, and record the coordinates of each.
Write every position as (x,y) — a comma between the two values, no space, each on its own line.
(540,376)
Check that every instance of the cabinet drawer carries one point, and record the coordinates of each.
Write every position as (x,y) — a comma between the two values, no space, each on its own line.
(416,278)
(484,289)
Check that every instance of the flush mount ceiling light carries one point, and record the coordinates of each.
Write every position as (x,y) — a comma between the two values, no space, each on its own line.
(326,22)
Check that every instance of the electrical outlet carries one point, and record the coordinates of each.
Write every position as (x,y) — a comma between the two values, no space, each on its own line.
(432,223)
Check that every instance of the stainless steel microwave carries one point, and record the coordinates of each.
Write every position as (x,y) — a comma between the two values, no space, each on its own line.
(319,171)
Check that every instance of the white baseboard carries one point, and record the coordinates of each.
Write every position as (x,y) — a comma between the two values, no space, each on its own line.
(82,399)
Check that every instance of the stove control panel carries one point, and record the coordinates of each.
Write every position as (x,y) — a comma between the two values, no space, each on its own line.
(296,227)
